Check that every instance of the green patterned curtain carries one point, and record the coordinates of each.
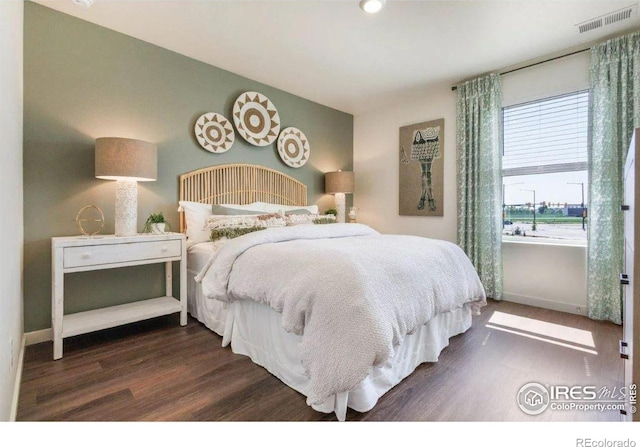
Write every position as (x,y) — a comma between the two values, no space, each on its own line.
(478,133)
(615,112)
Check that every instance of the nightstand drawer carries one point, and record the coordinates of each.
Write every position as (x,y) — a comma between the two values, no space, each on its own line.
(120,253)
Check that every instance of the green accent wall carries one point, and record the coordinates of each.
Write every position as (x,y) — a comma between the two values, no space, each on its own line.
(83,81)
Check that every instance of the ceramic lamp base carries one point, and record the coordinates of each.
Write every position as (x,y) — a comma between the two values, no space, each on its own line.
(340,207)
(126,208)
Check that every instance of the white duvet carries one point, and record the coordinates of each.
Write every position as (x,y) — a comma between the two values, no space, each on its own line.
(349,291)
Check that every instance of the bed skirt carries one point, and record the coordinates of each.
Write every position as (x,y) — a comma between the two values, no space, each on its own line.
(255,330)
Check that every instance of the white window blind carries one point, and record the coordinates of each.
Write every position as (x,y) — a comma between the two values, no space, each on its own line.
(550,135)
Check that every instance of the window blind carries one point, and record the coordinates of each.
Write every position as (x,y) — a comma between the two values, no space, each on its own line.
(545,136)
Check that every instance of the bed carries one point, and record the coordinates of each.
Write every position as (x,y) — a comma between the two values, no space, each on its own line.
(336,311)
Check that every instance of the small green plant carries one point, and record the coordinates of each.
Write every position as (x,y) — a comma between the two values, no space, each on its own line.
(517,231)
(155,219)
(332,211)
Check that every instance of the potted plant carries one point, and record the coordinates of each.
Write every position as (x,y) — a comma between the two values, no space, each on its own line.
(156,224)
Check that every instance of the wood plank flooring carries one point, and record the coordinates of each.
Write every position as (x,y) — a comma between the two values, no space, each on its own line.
(158,371)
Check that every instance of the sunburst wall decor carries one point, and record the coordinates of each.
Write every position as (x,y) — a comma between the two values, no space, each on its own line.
(214,133)
(293,147)
(256,119)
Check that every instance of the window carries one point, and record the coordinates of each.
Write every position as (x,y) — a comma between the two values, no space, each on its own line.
(544,168)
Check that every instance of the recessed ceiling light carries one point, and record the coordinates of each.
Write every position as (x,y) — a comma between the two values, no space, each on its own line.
(85,3)
(372,6)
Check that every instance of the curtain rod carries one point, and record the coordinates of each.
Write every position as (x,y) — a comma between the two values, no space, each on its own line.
(455,87)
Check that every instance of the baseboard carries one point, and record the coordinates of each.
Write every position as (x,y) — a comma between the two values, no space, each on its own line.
(545,304)
(16,385)
(35,337)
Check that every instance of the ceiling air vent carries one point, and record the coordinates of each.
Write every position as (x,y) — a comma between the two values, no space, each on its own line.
(608,19)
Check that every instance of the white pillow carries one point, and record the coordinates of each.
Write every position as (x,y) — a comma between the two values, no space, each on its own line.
(274,208)
(196,215)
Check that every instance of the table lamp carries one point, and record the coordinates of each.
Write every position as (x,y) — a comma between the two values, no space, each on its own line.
(339,183)
(127,161)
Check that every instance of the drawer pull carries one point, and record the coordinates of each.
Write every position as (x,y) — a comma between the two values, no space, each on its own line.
(624,279)
(624,208)
(86,255)
(164,249)
(623,348)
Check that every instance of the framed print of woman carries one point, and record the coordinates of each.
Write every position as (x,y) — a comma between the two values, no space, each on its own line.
(421,183)
(426,147)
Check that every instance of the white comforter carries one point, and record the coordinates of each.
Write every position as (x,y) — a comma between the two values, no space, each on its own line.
(352,293)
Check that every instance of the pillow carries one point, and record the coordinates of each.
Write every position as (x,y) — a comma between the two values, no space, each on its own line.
(230,233)
(245,221)
(255,206)
(299,211)
(196,215)
(299,218)
(274,208)
(326,219)
(232,210)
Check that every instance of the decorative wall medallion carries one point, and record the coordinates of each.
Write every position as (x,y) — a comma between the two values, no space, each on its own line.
(215,133)
(256,119)
(293,147)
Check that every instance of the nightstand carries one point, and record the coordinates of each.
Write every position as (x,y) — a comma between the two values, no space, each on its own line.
(83,254)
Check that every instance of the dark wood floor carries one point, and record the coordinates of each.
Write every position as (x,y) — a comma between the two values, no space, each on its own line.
(159,371)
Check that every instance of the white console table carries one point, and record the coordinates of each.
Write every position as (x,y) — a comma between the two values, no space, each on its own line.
(82,254)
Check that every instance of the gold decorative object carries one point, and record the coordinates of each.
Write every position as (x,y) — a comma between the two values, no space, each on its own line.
(85,216)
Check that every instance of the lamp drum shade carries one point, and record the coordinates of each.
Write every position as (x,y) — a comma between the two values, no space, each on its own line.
(125,158)
(339,182)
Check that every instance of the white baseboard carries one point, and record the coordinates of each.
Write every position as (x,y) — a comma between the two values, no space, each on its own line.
(16,385)
(35,337)
(545,304)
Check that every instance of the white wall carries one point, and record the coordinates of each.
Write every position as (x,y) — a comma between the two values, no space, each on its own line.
(376,155)
(376,169)
(549,276)
(11,30)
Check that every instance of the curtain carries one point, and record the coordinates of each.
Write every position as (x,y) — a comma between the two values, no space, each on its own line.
(615,112)
(479,160)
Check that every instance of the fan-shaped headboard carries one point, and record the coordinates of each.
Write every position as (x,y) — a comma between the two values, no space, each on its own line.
(240,184)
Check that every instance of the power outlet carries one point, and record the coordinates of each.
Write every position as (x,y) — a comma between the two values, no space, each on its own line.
(11,354)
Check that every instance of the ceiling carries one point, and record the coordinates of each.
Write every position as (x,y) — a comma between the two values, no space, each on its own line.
(333,53)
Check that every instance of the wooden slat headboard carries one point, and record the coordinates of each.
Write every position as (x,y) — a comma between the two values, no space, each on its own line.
(240,184)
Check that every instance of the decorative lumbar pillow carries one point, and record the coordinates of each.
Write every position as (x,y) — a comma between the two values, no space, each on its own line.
(230,233)
(300,219)
(326,219)
(245,221)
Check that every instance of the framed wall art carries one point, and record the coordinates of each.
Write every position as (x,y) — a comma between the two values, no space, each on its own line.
(421,169)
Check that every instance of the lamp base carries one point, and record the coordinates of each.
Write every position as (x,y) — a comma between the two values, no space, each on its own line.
(340,207)
(126,208)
